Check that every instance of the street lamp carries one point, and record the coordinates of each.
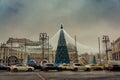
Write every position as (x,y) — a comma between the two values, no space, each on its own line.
(43,38)
(48,48)
(100,56)
(21,47)
(76,52)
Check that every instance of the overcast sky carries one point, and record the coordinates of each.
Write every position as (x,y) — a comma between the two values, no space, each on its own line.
(87,19)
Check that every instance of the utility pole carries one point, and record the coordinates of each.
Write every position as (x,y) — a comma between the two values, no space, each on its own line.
(76,54)
(11,45)
(26,54)
(106,41)
(21,53)
(48,48)
(25,46)
(4,53)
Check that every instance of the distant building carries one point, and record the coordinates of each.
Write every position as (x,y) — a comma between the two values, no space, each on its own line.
(16,50)
(9,56)
(20,48)
(73,56)
(87,58)
(116,51)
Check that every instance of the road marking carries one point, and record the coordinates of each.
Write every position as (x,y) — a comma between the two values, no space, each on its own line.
(40,76)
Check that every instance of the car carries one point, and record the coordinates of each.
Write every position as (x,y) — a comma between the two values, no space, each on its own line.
(4,67)
(21,67)
(36,66)
(114,67)
(96,67)
(50,66)
(77,66)
(65,66)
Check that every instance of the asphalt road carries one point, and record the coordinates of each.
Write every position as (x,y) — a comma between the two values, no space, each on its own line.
(80,75)
(20,76)
(64,75)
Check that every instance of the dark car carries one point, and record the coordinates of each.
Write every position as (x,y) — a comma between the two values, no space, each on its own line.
(114,67)
(36,66)
(4,67)
(50,66)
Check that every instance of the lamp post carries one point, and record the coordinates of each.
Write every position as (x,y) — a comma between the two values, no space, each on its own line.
(11,43)
(100,56)
(43,38)
(21,53)
(25,46)
(106,41)
(48,48)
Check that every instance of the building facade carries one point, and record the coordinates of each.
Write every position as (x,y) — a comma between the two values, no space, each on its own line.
(16,50)
(9,56)
(116,51)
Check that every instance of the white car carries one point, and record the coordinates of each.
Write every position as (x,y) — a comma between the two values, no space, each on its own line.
(21,67)
(77,66)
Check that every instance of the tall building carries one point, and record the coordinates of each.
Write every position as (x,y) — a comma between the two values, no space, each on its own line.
(62,55)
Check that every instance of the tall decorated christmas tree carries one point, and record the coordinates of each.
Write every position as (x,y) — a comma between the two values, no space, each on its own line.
(62,56)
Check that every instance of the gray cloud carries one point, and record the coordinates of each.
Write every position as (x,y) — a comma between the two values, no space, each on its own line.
(9,9)
(87,19)
(98,10)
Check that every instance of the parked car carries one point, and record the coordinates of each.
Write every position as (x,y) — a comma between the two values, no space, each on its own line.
(21,67)
(36,66)
(65,66)
(4,67)
(50,66)
(114,67)
(96,67)
(77,66)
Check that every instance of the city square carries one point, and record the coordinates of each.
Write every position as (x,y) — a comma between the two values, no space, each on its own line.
(59,40)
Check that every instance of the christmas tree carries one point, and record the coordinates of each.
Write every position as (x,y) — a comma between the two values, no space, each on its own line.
(62,56)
